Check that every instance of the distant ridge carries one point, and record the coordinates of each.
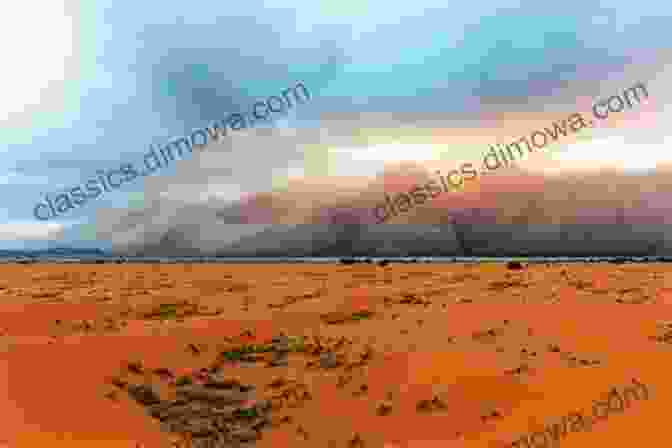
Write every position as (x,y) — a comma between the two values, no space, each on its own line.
(54,252)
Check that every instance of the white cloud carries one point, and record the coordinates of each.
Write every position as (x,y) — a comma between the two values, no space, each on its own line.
(393,152)
(612,152)
(36,41)
(14,231)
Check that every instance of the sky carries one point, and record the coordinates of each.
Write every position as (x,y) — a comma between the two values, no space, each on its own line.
(389,82)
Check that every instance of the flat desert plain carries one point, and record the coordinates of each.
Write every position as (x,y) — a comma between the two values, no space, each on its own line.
(363,355)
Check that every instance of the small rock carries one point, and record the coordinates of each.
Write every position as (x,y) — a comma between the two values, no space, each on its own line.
(277,382)
(246,387)
(251,358)
(384,408)
(163,372)
(277,362)
(343,380)
(283,419)
(356,441)
(143,394)
(438,403)
(335,317)
(367,353)
(328,360)
(423,405)
(135,367)
(195,350)
(302,432)
(119,382)
(493,414)
(514,265)
(280,338)
(215,368)
(518,370)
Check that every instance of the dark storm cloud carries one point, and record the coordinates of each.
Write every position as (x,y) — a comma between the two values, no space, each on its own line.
(574,215)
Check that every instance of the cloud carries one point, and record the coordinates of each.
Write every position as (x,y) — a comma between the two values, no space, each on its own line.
(30,83)
(511,210)
(30,231)
(226,200)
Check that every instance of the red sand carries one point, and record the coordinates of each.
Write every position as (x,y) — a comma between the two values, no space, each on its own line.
(57,374)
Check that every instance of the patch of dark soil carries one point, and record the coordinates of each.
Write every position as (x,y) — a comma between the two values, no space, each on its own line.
(221,412)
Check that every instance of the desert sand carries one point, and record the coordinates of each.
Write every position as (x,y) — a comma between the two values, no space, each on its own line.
(396,356)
